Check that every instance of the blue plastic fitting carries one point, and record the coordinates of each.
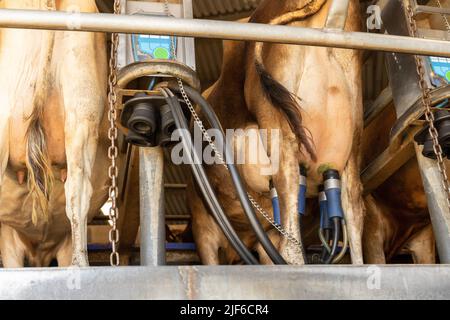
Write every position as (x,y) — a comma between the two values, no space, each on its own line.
(332,187)
(302,192)
(176,246)
(275,206)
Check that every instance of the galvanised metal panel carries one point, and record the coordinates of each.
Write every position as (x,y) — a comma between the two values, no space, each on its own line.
(229,282)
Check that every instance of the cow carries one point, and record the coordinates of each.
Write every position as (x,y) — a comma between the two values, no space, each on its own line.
(313,97)
(53,138)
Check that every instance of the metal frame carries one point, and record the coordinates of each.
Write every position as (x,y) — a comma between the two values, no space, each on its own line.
(220,282)
(408,106)
(428,9)
(437,203)
(229,282)
(152,214)
(101,22)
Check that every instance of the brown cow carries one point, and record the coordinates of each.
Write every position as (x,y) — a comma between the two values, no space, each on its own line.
(258,88)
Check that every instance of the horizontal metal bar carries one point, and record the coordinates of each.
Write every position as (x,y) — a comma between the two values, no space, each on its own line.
(229,282)
(32,19)
(431,9)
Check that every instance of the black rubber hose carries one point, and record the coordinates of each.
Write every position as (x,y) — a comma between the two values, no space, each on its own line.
(300,226)
(336,236)
(327,238)
(261,235)
(205,186)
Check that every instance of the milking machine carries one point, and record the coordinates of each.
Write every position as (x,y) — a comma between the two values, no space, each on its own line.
(325,227)
(301,199)
(149,116)
(302,192)
(155,99)
(442,124)
(332,220)
(275,204)
(405,81)
(334,213)
(156,96)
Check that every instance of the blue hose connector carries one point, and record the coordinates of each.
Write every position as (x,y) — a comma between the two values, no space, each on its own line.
(332,187)
(302,192)
(275,206)
(325,222)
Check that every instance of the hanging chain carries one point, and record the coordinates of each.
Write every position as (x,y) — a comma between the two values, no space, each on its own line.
(113,171)
(427,105)
(217,153)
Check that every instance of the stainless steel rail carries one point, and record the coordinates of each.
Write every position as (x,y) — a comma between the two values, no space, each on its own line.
(229,282)
(101,22)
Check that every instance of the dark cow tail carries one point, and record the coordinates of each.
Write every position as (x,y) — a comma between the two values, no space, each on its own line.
(286,102)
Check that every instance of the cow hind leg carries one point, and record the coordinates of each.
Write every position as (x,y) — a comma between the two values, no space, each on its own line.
(353,205)
(11,248)
(207,245)
(207,234)
(422,246)
(64,253)
(81,141)
(80,150)
(83,85)
(373,236)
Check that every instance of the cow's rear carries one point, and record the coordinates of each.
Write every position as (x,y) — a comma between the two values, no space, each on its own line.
(53,98)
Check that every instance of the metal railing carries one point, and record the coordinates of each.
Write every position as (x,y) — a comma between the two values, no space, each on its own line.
(101,22)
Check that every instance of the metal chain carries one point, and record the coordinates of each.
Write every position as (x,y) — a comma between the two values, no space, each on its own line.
(444,16)
(113,171)
(290,237)
(278,227)
(429,115)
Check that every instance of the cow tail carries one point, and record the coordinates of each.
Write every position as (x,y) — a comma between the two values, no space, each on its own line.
(280,97)
(37,160)
(286,102)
